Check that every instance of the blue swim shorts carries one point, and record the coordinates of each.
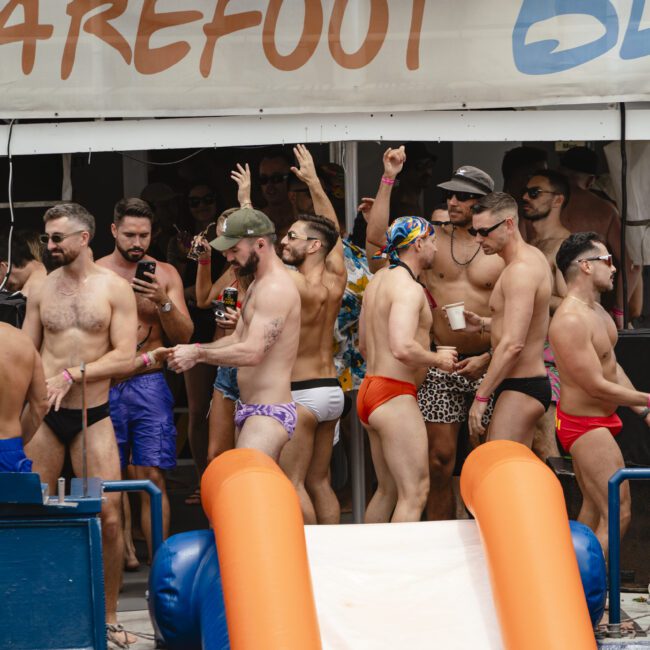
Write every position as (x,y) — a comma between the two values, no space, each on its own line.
(226,383)
(12,456)
(142,412)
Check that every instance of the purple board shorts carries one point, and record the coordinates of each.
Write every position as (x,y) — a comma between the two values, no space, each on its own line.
(142,412)
(12,456)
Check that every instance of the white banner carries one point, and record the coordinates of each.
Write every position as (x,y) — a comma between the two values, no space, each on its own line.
(128,58)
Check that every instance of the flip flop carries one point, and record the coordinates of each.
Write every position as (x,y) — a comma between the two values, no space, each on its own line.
(114,631)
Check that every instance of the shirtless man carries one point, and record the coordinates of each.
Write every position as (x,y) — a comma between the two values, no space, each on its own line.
(460,271)
(519,323)
(314,247)
(26,270)
(141,402)
(82,313)
(25,383)
(544,196)
(394,338)
(586,212)
(583,337)
(265,341)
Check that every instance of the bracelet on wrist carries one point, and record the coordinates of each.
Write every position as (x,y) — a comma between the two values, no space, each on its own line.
(617,312)
(67,376)
(387,181)
(246,204)
(482,400)
(147,359)
(205,262)
(644,414)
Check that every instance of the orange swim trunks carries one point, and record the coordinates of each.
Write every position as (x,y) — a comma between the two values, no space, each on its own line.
(375,391)
(570,427)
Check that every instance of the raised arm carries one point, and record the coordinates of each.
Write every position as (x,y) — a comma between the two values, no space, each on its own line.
(36,399)
(380,211)
(242,176)
(306,172)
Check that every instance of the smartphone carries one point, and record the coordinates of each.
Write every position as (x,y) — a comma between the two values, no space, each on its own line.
(145,265)
(219,309)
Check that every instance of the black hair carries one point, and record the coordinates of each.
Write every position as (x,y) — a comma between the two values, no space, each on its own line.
(519,157)
(321,227)
(21,253)
(279,152)
(132,208)
(574,246)
(75,212)
(558,181)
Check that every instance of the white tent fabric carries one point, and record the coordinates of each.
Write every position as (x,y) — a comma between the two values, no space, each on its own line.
(415,586)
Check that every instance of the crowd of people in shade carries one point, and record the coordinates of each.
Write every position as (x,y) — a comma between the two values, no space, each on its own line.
(487,312)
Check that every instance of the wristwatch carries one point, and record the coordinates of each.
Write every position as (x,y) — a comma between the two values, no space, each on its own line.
(166,307)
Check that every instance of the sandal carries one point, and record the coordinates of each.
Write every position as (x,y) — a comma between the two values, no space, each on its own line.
(194,499)
(112,632)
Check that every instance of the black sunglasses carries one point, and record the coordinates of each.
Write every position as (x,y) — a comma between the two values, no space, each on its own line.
(534,192)
(58,237)
(461,196)
(484,232)
(276,178)
(206,199)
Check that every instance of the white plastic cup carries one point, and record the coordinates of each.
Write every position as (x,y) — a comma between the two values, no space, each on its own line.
(455,314)
(442,348)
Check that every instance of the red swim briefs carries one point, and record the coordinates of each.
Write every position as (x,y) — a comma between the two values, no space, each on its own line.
(570,427)
(375,391)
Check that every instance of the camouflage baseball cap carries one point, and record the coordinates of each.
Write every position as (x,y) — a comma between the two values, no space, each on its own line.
(242,223)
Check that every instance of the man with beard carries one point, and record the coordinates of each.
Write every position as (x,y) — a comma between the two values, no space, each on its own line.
(141,402)
(314,247)
(583,337)
(394,339)
(265,341)
(460,271)
(82,314)
(520,314)
(546,193)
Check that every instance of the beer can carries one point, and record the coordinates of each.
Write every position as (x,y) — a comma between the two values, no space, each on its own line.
(230,297)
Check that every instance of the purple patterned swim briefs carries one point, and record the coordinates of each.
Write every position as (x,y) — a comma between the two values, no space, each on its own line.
(285,414)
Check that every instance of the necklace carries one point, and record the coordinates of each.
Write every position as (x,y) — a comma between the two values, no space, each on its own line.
(453,257)
(582,301)
(427,293)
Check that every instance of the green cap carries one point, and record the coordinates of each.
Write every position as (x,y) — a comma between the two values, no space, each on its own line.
(242,223)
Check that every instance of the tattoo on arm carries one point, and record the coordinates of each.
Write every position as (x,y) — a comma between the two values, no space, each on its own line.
(271,332)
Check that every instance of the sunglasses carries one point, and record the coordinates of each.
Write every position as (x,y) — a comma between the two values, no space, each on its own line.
(484,232)
(57,237)
(534,192)
(196,201)
(461,196)
(276,179)
(603,258)
(291,235)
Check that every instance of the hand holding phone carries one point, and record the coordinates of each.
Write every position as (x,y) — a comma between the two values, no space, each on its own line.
(143,266)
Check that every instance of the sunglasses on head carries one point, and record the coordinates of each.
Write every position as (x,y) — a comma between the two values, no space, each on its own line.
(484,232)
(196,201)
(276,178)
(534,192)
(603,258)
(461,196)
(291,235)
(57,237)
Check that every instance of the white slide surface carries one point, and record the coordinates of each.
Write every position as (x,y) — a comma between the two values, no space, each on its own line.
(402,587)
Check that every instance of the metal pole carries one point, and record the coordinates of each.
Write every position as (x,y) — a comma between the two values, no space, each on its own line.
(155,505)
(84,431)
(614,534)
(357,465)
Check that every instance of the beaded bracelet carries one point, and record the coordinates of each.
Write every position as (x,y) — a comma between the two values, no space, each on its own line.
(387,181)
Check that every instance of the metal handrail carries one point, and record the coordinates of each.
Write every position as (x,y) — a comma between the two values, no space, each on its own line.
(155,506)
(614,533)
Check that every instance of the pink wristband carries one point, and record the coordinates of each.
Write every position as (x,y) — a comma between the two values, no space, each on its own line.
(145,359)
(205,262)
(617,312)
(67,376)
(387,181)
(483,400)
